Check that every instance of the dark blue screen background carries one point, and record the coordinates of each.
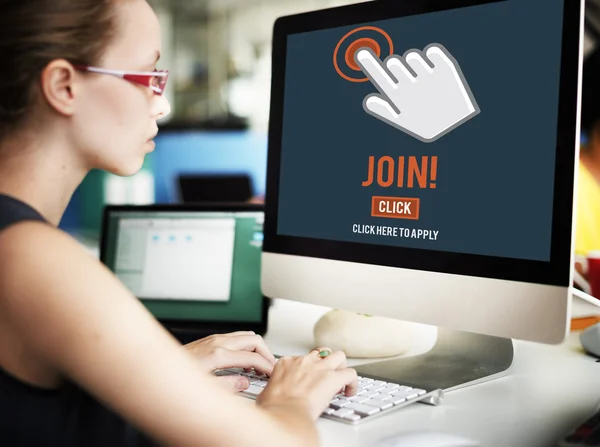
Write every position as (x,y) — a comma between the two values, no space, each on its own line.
(495,172)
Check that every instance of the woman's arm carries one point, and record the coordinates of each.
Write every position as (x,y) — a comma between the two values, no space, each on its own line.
(74,313)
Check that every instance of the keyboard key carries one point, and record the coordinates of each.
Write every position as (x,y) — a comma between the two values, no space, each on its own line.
(373,396)
(399,397)
(389,389)
(370,394)
(362,409)
(408,394)
(359,399)
(381,404)
(339,403)
(342,412)
(254,390)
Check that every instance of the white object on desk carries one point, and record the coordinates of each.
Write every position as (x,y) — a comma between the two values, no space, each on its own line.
(367,336)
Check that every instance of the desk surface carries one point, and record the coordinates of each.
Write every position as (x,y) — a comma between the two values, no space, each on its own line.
(548,390)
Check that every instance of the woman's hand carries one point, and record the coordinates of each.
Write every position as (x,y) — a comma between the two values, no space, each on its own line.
(235,350)
(310,380)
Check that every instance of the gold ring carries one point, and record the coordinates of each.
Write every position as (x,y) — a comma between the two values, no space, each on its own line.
(321,352)
(324,353)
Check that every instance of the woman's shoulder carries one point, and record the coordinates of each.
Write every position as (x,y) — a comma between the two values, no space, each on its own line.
(22,221)
(37,261)
(31,279)
(13,210)
(21,238)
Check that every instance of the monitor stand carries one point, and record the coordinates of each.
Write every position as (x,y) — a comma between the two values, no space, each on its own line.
(458,359)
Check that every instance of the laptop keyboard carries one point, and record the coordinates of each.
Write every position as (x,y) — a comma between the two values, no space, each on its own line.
(374,397)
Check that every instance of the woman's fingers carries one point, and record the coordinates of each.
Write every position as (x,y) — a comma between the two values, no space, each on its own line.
(247,342)
(336,360)
(226,358)
(347,378)
(312,378)
(235,334)
(234,383)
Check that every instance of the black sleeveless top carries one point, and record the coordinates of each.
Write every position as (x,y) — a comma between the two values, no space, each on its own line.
(66,416)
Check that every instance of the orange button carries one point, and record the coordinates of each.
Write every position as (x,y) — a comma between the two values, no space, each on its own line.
(395,207)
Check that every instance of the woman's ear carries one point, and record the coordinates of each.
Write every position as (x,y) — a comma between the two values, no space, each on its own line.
(57,86)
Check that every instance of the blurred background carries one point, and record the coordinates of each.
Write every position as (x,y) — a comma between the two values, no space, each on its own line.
(213,145)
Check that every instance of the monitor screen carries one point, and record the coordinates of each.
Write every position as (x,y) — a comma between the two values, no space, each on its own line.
(442,138)
(189,265)
(421,162)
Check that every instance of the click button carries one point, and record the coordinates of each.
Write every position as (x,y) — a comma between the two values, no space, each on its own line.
(395,207)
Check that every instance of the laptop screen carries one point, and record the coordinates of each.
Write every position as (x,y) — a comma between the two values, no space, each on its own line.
(189,265)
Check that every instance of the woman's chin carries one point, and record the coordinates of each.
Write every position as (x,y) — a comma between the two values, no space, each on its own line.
(127,170)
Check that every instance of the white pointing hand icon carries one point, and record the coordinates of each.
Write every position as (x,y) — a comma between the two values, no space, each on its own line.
(426,106)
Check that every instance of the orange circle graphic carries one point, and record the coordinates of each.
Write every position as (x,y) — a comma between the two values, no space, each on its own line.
(362,28)
(355,46)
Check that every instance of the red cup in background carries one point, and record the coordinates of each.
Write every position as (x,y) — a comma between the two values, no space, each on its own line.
(589,266)
(593,272)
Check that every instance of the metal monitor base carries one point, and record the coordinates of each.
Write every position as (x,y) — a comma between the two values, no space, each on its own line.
(458,359)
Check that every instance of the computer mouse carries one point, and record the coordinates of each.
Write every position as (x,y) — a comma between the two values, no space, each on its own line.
(590,340)
(426,439)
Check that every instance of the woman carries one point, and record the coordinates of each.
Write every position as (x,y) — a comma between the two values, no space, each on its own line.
(81,360)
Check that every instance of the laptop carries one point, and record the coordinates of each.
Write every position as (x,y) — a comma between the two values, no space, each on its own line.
(196,267)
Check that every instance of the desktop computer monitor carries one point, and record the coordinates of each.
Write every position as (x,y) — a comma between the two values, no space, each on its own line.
(421,162)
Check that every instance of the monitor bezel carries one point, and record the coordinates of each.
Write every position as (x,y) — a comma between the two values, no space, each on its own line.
(187,325)
(555,272)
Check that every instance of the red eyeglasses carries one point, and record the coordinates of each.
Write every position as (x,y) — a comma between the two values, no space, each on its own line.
(155,80)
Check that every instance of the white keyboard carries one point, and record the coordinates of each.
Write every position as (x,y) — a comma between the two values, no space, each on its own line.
(374,397)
